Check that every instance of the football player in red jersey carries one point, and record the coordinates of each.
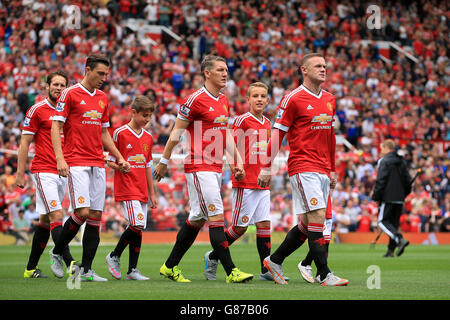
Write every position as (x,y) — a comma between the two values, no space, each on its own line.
(251,203)
(82,113)
(50,187)
(204,115)
(306,114)
(135,144)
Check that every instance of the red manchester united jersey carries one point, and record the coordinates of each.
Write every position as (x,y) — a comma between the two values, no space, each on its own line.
(84,114)
(308,120)
(208,117)
(137,150)
(38,122)
(252,137)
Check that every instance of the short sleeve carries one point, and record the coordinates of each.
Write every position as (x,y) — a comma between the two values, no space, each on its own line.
(285,115)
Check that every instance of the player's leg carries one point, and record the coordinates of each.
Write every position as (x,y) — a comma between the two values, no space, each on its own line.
(294,238)
(208,185)
(77,180)
(91,235)
(136,215)
(40,239)
(386,216)
(241,208)
(304,266)
(403,243)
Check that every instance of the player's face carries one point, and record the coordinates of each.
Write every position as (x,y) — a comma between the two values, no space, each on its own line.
(98,75)
(315,69)
(257,100)
(56,86)
(218,75)
(142,118)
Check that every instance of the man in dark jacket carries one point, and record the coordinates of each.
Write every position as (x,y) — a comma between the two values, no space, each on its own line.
(392,186)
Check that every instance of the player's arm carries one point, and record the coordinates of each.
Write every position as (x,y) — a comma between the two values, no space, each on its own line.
(333,176)
(61,164)
(273,148)
(234,158)
(151,189)
(172,142)
(22,157)
(109,145)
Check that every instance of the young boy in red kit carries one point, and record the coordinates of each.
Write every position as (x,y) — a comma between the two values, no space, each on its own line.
(135,145)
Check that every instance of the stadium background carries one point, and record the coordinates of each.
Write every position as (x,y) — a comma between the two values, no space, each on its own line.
(390,82)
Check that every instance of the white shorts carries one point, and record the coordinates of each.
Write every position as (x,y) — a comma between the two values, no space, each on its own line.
(135,212)
(204,194)
(50,191)
(250,206)
(87,187)
(309,191)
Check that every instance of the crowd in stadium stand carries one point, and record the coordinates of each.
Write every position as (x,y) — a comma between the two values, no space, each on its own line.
(262,40)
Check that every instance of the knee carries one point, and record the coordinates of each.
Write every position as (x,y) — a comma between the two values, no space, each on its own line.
(240,230)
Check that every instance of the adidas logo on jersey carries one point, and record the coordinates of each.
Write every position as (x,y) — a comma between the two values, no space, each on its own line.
(82,102)
(309,107)
(129,146)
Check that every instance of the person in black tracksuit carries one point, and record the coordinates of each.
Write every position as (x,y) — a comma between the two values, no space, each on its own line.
(392,186)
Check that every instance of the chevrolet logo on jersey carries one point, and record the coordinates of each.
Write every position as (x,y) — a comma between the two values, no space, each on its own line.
(94,115)
(221,119)
(139,158)
(323,118)
(262,145)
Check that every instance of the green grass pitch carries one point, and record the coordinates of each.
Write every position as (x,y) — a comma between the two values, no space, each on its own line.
(422,273)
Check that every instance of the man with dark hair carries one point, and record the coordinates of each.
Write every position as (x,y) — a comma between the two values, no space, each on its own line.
(306,115)
(50,187)
(392,186)
(82,113)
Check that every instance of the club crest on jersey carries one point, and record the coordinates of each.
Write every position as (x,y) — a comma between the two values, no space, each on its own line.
(221,119)
(53,203)
(322,118)
(101,104)
(93,114)
(139,158)
(225,108)
(140,217)
(145,147)
(80,200)
(330,106)
(244,219)
(60,106)
(211,207)
(313,201)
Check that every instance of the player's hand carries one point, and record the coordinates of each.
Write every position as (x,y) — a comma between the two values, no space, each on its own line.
(154,201)
(20,181)
(124,166)
(62,167)
(239,173)
(333,180)
(264,178)
(160,171)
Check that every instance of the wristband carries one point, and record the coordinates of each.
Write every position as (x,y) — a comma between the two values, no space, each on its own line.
(164,161)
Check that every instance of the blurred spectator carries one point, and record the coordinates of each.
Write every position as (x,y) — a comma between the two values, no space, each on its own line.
(22,226)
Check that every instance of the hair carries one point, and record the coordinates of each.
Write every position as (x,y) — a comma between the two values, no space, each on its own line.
(94,59)
(142,103)
(209,61)
(389,143)
(308,56)
(60,73)
(257,85)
